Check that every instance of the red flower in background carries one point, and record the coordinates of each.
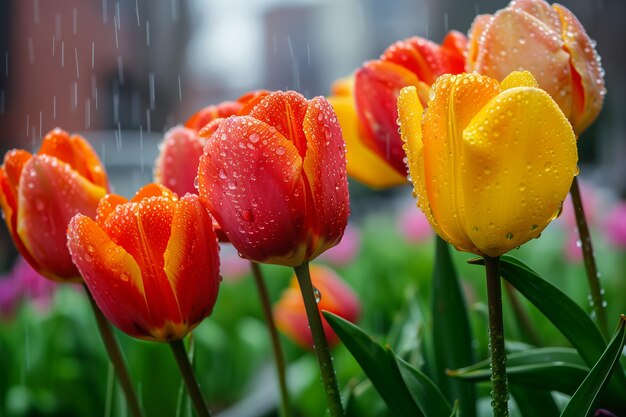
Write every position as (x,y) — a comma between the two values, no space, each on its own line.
(274,178)
(150,263)
(414,61)
(40,193)
(334,296)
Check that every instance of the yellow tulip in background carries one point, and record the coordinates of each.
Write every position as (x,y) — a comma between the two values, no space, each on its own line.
(491,162)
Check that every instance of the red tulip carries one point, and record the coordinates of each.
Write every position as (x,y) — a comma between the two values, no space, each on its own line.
(275,179)
(414,61)
(150,263)
(334,296)
(549,42)
(40,193)
(177,164)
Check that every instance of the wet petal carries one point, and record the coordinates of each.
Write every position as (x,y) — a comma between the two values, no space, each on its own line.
(177,164)
(153,190)
(112,275)
(192,262)
(50,194)
(519,79)
(10,174)
(202,117)
(479,25)
(325,169)
(106,206)
(455,101)
(250,179)
(362,163)
(377,85)
(518,169)
(250,100)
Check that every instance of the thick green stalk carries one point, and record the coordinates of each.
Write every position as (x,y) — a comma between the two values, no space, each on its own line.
(499,391)
(115,356)
(182,360)
(593,276)
(319,339)
(266,306)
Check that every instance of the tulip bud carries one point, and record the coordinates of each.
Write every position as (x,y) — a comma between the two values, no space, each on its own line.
(176,166)
(150,263)
(275,179)
(549,42)
(491,163)
(333,295)
(40,193)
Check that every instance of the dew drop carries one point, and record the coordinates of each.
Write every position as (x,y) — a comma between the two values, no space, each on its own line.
(254,138)
(247,215)
(318,295)
(221,174)
(509,235)
(280,150)
(196,183)
(124,277)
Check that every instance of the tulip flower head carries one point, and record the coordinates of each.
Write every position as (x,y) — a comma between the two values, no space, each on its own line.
(491,162)
(548,41)
(40,193)
(150,263)
(274,178)
(367,110)
(333,295)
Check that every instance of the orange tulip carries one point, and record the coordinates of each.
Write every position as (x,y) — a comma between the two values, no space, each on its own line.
(274,178)
(150,263)
(550,43)
(368,112)
(333,295)
(40,193)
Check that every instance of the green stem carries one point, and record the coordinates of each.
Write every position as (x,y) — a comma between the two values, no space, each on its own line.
(499,392)
(319,339)
(182,360)
(593,276)
(115,356)
(276,347)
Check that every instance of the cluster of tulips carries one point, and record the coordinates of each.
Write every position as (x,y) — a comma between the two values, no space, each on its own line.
(491,154)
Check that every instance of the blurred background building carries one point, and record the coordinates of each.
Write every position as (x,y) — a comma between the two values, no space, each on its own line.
(121,72)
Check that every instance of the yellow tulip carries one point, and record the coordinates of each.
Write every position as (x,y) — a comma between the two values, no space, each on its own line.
(490,162)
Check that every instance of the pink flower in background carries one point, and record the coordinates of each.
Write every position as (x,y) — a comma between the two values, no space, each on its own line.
(346,250)
(591,203)
(23,283)
(232,266)
(413,225)
(615,225)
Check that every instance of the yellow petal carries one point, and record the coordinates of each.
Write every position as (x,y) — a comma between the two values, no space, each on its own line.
(362,163)
(519,79)
(520,159)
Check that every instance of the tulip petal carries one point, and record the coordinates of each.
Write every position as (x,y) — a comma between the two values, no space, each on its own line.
(191,261)
(177,164)
(588,79)
(112,275)
(536,47)
(285,111)
(153,190)
(250,179)
(519,79)
(479,25)
(362,164)
(143,229)
(456,44)
(540,10)
(50,194)
(456,100)
(202,117)
(518,169)
(106,206)
(77,152)
(377,85)
(250,100)
(325,170)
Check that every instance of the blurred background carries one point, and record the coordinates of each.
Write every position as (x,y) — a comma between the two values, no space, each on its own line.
(122,72)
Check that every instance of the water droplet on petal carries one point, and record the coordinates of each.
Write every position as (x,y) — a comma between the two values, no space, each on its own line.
(280,150)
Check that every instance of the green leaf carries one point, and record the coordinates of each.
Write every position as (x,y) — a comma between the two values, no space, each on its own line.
(533,402)
(425,393)
(378,365)
(452,336)
(584,397)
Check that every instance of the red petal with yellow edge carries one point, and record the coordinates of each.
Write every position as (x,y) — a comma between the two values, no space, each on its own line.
(50,194)
(75,151)
(518,170)
(515,40)
(112,276)
(588,79)
(206,115)
(14,162)
(363,164)
(106,206)
(143,229)
(191,260)
(250,100)
(250,179)
(325,170)
(177,164)
(377,85)
(456,100)
(285,112)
